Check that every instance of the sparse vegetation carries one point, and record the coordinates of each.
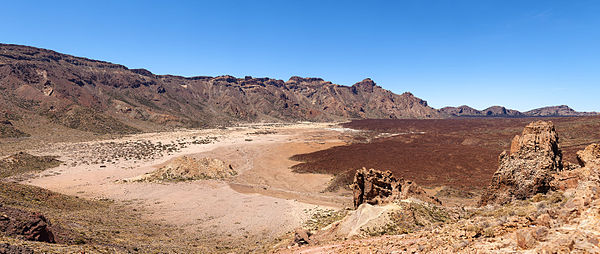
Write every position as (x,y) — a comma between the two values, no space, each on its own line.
(22,163)
(322,218)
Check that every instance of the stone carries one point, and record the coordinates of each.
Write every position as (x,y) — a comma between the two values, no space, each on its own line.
(29,225)
(544,220)
(302,237)
(528,238)
(589,156)
(14,249)
(528,168)
(377,187)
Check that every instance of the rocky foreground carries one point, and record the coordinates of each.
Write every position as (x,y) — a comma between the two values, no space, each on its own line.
(534,204)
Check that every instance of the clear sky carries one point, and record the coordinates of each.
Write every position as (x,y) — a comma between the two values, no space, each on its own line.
(522,54)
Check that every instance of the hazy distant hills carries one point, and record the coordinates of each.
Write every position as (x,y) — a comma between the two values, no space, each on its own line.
(102,97)
(499,111)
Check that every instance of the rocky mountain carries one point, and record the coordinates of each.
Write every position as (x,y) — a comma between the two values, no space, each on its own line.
(499,111)
(102,97)
(463,110)
(562,110)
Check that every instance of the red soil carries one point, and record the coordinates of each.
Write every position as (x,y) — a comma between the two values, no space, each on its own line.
(460,152)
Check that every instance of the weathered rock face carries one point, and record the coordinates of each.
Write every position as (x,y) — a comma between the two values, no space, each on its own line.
(589,156)
(378,187)
(527,169)
(32,226)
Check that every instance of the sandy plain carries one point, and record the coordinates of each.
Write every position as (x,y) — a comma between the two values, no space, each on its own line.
(264,201)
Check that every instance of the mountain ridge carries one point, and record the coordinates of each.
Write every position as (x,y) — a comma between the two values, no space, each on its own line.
(500,111)
(102,97)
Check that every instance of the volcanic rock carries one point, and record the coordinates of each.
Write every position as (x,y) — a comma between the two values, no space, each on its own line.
(302,237)
(378,187)
(31,226)
(589,156)
(6,248)
(527,169)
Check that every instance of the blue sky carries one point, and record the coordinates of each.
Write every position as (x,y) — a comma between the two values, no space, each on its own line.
(521,54)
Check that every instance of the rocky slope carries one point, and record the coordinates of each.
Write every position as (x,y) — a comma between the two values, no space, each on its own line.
(499,111)
(102,97)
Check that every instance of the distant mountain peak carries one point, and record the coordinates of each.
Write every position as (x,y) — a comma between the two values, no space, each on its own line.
(500,111)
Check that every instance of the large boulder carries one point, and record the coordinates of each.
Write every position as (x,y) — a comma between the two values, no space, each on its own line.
(29,225)
(528,168)
(377,187)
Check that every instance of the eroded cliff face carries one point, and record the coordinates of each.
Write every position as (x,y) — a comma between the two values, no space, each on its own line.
(103,97)
(527,169)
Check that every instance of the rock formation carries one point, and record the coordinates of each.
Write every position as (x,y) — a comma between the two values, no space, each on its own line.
(378,187)
(302,237)
(591,155)
(527,169)
(31,226)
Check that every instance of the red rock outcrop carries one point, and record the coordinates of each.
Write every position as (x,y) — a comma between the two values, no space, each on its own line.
(31,226)
(380,187)
(527,169)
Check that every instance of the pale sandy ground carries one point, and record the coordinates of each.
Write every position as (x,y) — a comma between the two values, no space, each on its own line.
(264,200)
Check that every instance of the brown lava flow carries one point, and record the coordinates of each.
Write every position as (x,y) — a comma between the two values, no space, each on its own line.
(460,153)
